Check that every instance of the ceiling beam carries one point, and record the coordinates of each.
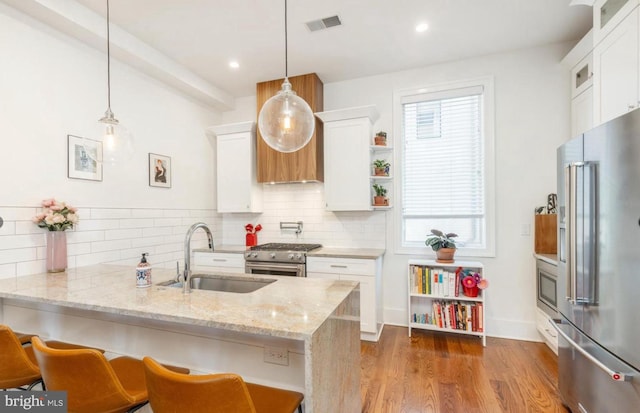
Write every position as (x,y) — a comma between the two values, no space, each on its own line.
(82,23)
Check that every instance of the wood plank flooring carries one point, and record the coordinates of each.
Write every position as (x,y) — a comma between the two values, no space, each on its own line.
(449,373)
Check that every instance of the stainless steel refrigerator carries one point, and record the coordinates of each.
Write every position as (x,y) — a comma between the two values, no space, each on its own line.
(599,268)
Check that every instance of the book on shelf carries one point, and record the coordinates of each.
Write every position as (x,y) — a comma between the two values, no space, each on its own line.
(453,315)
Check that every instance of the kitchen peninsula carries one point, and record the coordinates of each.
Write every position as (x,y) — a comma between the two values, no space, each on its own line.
(311,326)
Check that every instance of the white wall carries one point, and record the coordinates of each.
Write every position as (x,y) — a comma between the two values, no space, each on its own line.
(51,86)
(531,117)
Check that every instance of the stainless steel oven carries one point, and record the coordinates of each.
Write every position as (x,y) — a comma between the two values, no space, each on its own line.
(278,259)
(547,287)
(274,268)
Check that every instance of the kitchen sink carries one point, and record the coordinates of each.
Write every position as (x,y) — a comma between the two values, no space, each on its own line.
(223,284)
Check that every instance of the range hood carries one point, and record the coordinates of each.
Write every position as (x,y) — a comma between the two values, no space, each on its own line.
(306,164)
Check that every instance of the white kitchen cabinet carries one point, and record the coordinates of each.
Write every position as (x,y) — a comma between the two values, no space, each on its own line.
(546,330)
(367,272)
(219,261)
(616,71)
(607,15)
(582,112)
(237,186)
(347,161)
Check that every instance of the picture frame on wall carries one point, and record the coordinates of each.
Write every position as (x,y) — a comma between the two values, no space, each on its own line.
(159,170)
(84,158)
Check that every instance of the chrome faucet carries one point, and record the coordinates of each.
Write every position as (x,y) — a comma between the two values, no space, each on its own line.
(187,253)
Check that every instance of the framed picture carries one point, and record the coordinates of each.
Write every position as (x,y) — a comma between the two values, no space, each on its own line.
(159,170)
(84,158)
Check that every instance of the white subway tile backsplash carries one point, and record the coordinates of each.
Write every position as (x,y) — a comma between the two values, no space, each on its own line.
(17,255)
(7,271)
(122,234)
(136,223)
(18,214)
(114,245)
(30,267)
(103,235)
(9,228)
(21,241)
(110,213)
(147,213)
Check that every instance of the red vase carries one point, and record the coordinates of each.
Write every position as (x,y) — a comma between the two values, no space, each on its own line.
(56,249)
(470,291)
(251,240)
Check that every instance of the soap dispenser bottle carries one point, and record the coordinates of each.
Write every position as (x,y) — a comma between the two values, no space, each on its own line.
(143,272)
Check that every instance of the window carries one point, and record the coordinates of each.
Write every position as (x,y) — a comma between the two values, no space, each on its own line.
(446,137)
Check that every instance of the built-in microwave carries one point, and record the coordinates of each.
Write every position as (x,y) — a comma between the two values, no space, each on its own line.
(547,287)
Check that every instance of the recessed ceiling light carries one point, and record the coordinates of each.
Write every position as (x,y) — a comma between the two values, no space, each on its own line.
(234,64)
(422,27)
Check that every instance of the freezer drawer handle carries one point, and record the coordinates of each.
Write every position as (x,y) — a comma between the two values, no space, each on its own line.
(615,375)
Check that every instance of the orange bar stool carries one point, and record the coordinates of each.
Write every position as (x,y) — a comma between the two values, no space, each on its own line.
(18,366)
(171,392)
(116,386)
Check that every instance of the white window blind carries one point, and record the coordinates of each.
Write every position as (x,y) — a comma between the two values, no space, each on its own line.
(443,183)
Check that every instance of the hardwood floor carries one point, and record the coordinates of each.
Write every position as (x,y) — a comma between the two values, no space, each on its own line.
(449,373)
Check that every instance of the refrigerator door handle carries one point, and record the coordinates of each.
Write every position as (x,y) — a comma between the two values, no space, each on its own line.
(571,188)
(615,375)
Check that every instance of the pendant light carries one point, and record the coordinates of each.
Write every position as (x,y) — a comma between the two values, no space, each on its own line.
(117,141)
(286,121)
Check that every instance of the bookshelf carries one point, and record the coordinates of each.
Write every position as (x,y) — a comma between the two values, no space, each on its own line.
(437,300)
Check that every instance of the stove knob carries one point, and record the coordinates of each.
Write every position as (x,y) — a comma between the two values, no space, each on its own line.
(272,255)
(254,255)
(291,256)
(298,257)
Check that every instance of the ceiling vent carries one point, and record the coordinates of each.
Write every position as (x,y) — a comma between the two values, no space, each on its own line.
(322,24)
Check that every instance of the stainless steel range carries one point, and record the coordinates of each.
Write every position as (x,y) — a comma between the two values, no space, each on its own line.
(278,259)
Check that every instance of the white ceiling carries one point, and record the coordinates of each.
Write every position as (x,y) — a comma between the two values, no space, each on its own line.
(377,36)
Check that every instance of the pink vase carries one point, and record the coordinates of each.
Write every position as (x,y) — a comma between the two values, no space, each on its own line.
(56,251)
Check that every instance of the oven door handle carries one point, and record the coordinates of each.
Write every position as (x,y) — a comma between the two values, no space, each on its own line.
(272,266)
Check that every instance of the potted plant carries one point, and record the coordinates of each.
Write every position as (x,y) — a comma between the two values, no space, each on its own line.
(381,167)
(380,139)
(380,199)
(443,244)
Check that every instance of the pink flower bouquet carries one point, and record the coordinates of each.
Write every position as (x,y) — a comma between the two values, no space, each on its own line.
(56,216)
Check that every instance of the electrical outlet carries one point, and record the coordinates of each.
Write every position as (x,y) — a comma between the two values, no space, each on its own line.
(276,355)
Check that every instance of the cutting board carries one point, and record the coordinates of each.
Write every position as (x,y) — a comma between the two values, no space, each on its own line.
(546,236)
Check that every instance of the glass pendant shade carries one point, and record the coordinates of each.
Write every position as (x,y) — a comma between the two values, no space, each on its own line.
(117,141)
(286,121)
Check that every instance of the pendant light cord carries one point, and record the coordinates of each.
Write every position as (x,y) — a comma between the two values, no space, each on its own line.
(286,45)
(108,63)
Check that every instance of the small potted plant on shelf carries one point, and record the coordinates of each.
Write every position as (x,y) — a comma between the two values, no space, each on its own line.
(381,167)
(443,244)
(380,199)
(380,139)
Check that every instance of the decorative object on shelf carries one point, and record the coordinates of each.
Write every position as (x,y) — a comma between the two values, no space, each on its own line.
(380,199)
(286,121)
(84,159)
(117,140)
(381,167)
(472,282)
(251,239)
(57,217)
(380,139)
(159,170)
(443,244)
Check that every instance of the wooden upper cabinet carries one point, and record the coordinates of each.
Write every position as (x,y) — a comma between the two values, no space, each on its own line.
(307,163)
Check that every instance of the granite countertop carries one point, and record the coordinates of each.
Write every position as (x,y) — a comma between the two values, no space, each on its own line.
(363,253)
(291,307)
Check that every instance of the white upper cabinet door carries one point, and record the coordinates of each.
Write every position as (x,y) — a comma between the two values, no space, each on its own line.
(582,112)
(607,14)
(347,161)
(616,71)
(237,187)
